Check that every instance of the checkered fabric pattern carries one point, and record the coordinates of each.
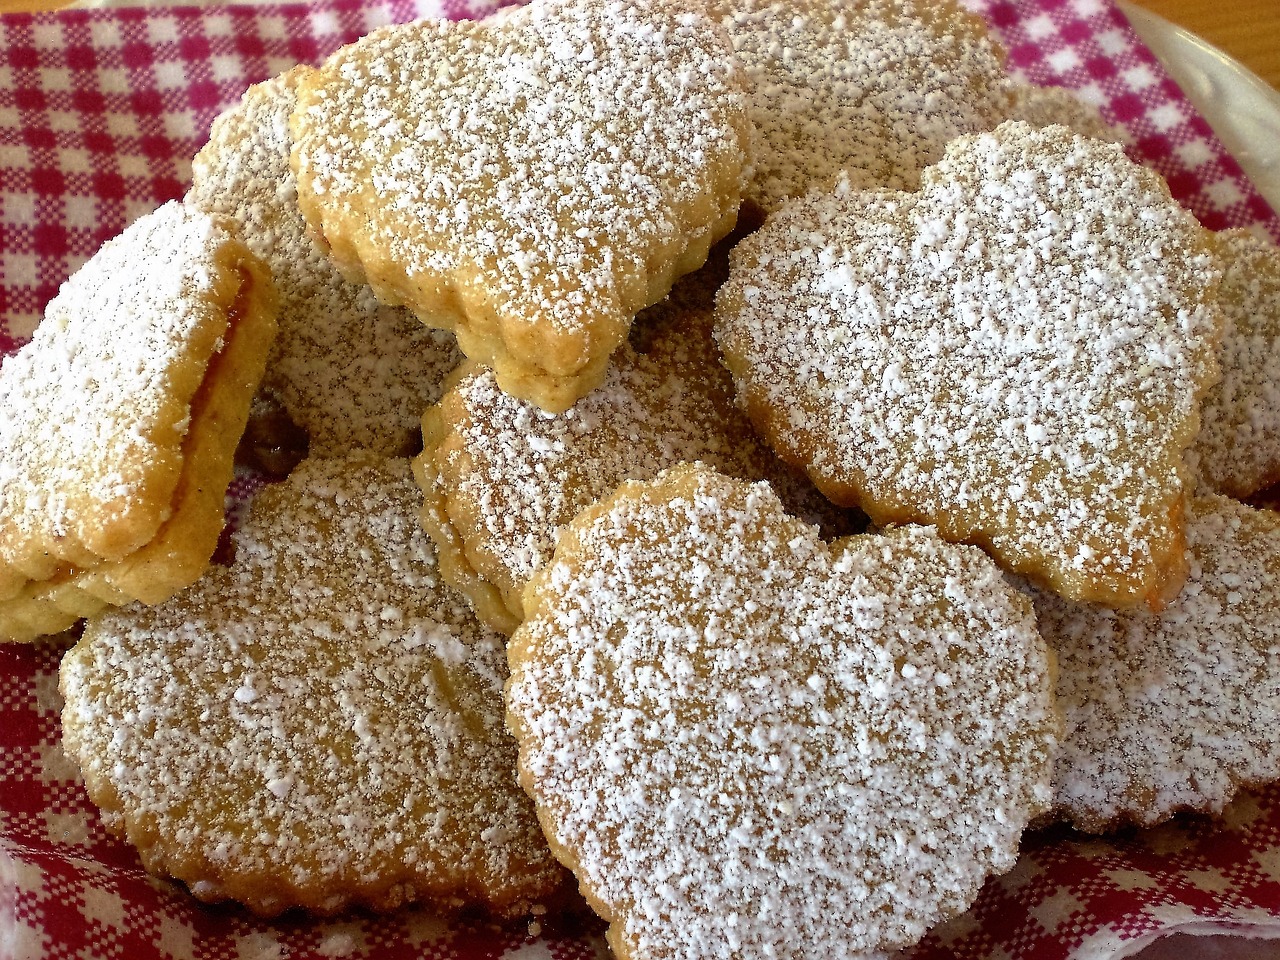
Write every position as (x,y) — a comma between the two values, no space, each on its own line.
(100,113)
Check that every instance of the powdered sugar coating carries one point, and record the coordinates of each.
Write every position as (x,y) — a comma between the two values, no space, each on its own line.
(1015,353)
(1238,450)
(319,724)
(871,88)
(1047,106)
(99,404)
(507,476)
(1176,711)
(747,744)
(533,183)
(349,372)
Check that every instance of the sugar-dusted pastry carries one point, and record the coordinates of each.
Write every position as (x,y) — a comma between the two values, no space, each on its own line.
(1238,450)
(319,725)
(121,419)
(530,183)
(1045,106)
(1015,353)
(501,478)
(870,88)
(745,742)
(1176,711)
(350,373)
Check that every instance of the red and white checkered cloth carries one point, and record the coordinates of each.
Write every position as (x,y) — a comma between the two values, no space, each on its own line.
(100,113)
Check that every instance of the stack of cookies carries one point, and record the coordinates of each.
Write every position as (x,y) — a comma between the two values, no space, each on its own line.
(831,461)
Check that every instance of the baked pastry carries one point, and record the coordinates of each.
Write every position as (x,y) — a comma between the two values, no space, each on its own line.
(122,417)
(348,372)
(530,183)
(747,743)
(1174,711)
(871,89)
(1015,353)
(1238,449)
(501,478)
(318,725)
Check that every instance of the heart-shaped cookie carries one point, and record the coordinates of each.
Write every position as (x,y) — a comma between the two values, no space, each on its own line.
(1015,353)
(501,478)
(873,88)
(1238,450)
(529,183)
(747,743)
(349,372)
(1177,710)
(318,725)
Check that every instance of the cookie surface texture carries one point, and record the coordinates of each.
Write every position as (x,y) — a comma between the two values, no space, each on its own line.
(1175,711)
(1238,450)
(748,744)
(351,373)
(121,419)
(345,702)
(506,477)
(875,88)
(1015,353)
(530,184)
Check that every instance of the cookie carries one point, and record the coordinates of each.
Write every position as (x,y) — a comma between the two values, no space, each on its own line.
(122,417)
(747,743)
(349,372)
(1238,450)
(1176,711)
(342,699)
(871,88)
(501,478)
(1015,353)
(1046,106)
(530,184)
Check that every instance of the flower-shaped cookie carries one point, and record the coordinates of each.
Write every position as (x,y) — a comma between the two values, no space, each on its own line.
(530,183)
(746,743)
(1015,353)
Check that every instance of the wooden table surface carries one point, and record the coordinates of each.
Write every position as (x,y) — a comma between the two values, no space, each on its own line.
(1249,30)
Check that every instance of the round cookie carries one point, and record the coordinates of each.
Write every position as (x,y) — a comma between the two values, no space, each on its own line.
(1176,711)
(873,89)
(319,725)
(1016,353)
(349,372)
(747,743)
(530,183)
(501,478)
(1238,450)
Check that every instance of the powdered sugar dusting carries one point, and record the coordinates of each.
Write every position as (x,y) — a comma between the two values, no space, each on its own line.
(749,745)
(532,183)
(1176,711)
(349,372)
(1016,352)
(1238,450)
(870,88)
(319,724)
(510,476)
(96,405)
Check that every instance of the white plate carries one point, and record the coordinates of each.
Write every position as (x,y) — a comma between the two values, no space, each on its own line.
(1243,109)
